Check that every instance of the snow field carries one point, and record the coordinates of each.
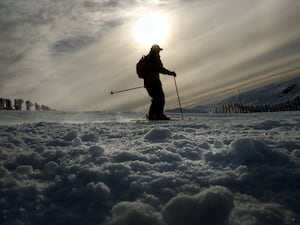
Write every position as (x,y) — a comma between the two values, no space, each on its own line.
(236,170)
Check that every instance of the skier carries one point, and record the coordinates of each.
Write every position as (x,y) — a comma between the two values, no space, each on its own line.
(153,84)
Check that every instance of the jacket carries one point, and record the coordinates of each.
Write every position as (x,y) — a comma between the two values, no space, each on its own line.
(154,68)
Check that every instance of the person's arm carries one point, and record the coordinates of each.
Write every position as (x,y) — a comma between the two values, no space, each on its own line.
(168,72)
(163,70)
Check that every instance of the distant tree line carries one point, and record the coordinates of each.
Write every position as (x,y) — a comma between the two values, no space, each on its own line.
(291,105)
(7,104)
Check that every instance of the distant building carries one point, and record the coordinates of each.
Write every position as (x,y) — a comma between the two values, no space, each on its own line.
(45,108)
(18,104)
(37,107)
(8,104)
(2,103)
(28,105)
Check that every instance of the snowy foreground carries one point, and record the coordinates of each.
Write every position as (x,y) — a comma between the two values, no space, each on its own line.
(108,168)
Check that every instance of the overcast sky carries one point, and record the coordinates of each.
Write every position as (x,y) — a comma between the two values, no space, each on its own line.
(70,54)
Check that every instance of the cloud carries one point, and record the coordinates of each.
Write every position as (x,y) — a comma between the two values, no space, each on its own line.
(72,44)
(54,50)
(65,25)
(100,4)
(241,55)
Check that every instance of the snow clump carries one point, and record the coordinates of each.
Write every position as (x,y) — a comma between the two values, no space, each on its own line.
(158,134)
(130,213)
(216,170)
(211,206)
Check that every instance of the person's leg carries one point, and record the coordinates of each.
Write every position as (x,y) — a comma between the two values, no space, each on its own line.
(151,93)
(157,102)
(160,101)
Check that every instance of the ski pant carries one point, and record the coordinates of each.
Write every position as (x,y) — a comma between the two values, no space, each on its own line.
(155,91)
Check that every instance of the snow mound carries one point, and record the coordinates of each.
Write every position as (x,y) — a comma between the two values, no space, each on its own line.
(70,136)
(175,173)
(128,213)
(211,206)
(98,191)
(96,150)
(50,167)
(252,212)
(158,134)
(248,150)
(91,137)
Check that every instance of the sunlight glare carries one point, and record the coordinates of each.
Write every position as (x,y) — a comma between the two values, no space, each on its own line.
(151,28)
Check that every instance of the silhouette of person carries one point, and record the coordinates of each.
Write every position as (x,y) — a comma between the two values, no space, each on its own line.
(153,84)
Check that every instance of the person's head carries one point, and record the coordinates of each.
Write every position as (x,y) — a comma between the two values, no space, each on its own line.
(155,48)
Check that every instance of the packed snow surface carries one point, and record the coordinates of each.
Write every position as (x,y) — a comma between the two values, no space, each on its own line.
(97,168)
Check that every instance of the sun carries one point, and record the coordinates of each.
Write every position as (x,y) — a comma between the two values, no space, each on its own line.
(151,28)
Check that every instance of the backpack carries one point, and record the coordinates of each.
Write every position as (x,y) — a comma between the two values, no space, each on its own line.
(141,67)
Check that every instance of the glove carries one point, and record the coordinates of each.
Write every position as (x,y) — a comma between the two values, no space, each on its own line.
(173,73)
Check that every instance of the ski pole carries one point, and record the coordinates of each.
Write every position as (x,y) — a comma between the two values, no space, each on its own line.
(129,89)
(178,98)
